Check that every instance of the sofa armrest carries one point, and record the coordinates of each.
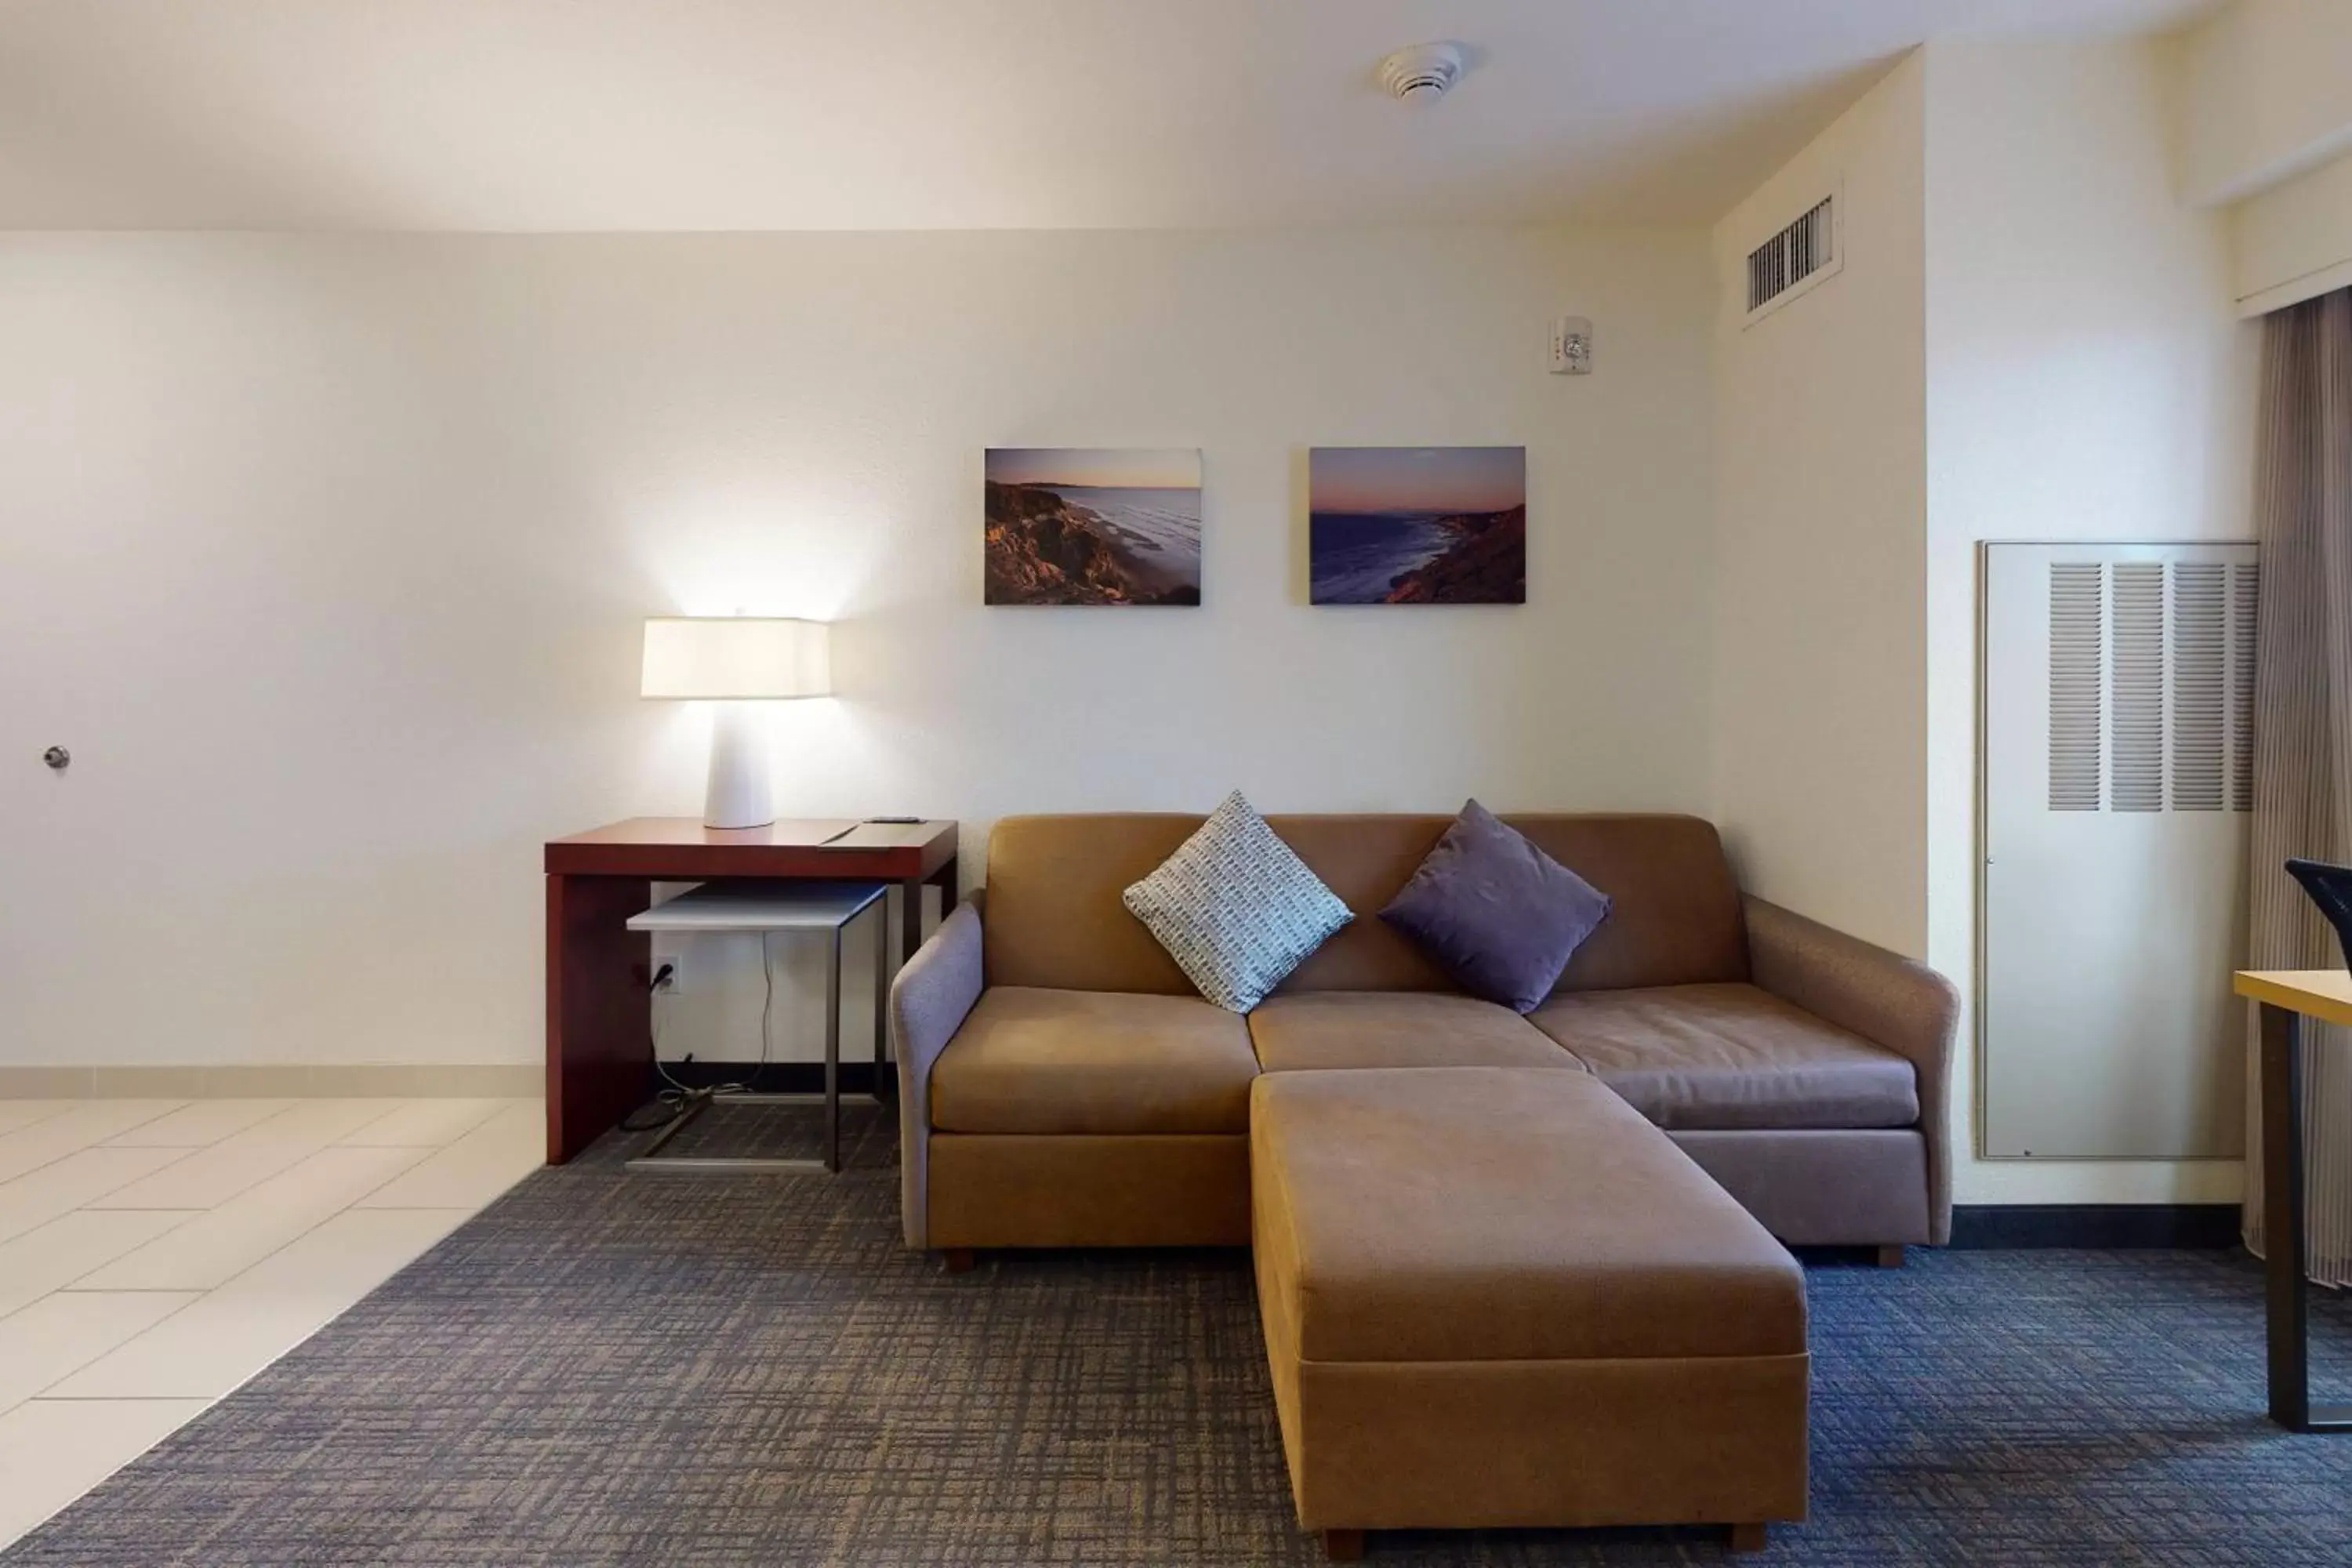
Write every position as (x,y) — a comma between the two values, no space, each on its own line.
(929,1001)
(1885,997)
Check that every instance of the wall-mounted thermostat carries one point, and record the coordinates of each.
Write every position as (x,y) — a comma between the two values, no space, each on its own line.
(1571,346)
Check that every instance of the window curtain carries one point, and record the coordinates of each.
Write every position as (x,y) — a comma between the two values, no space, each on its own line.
(2302,731)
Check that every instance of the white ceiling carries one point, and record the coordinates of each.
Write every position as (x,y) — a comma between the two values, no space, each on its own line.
(782,114)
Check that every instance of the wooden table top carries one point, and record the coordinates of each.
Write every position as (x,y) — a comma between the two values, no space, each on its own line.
(2322,994)
(682,849)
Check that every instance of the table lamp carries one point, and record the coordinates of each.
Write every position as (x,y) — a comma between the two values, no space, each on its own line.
(735,662)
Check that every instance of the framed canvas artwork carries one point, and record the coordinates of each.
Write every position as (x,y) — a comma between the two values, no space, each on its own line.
(1079,525)
(1417,525)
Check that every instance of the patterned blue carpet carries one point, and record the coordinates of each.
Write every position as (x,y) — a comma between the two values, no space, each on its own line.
(615,1369)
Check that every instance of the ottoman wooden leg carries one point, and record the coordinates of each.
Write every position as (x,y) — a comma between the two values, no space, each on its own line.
(958,1259)
(1748,1537)
(1344,1545)
(1890,1257)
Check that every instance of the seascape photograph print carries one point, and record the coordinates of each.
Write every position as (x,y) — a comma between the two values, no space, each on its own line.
(1417,525)
(1077,526)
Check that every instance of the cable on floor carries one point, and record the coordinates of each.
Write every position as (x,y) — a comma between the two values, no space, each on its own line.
(680,1098)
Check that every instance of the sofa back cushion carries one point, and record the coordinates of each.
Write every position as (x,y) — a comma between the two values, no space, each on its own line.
(1055,918)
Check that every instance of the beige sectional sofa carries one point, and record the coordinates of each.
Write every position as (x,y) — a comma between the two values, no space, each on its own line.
(1062,1084)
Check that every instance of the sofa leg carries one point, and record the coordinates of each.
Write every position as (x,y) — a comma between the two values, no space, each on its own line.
(1748,1537)
(1344,1545)
(958,1259)
(1890,1256)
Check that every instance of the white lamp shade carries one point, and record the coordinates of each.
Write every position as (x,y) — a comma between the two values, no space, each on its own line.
(735,657)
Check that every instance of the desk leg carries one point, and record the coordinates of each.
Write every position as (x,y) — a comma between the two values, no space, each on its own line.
(911,905)
(885,1082)
(833,1058)
(599,1014)
(2287,1319)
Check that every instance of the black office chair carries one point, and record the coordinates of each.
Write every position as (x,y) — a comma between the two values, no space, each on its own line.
(2330,887)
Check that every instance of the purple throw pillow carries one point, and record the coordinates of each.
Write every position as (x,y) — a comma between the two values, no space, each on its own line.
(1500,915)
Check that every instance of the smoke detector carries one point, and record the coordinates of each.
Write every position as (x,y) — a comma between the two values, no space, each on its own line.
(1421,74)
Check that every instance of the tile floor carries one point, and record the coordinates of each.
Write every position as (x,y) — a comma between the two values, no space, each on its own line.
(156,1253)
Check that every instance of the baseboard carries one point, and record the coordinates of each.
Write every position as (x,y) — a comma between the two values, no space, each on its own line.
(290,1080)
(1992,1225)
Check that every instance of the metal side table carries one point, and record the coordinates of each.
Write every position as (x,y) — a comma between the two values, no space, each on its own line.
(768,908)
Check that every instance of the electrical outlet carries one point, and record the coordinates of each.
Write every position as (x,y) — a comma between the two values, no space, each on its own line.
(676,981)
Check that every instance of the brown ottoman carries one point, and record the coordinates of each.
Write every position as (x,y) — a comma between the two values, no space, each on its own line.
(1499,1296)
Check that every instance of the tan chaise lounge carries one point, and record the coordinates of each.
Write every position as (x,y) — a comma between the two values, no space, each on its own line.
(1513,1271)
(1497,1297)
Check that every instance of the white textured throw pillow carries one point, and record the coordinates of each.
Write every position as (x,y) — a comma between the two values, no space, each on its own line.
(1235,907)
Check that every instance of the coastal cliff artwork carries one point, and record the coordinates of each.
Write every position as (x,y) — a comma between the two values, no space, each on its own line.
(1417,525)
(1093,526)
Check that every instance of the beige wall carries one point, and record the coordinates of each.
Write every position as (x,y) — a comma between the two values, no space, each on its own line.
(2294,241)
(2264,92)
(1821,510)
(2086,379)
(2032,339)
(2262,121)
(326,558)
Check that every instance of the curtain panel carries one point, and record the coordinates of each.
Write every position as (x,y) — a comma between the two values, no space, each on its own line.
(2302,731)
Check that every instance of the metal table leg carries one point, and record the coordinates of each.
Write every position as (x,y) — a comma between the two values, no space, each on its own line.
(2285,1292)
(694,1107)
(884,1076)
(833,1056)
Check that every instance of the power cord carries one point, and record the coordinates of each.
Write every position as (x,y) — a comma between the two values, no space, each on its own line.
(680,1098)
(767,1007)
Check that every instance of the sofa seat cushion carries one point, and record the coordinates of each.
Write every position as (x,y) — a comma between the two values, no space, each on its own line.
(1320,1029)
(1727,1057)
(1034,1060)
(1426,1214)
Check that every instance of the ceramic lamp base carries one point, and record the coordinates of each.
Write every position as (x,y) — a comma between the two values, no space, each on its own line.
(739,794)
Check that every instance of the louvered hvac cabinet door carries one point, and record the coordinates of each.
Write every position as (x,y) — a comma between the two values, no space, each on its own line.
(2117,687)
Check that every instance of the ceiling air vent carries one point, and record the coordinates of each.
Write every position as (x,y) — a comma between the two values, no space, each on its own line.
(1794,259)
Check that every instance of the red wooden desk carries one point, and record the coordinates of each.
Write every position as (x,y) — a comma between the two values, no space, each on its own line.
(599,1011)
